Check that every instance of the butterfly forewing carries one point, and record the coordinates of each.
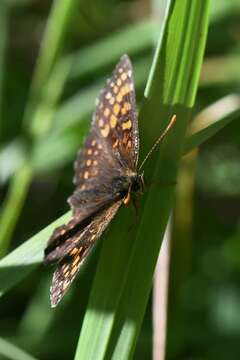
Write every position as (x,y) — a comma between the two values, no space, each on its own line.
(113,142)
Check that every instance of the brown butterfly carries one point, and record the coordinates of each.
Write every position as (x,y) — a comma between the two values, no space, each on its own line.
(105,177)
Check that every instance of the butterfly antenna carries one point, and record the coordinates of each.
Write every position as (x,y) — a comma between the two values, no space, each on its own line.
(159,140)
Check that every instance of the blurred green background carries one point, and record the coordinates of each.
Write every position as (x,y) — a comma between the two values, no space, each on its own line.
(204,285)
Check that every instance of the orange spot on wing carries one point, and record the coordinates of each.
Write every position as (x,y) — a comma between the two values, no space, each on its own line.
(126,89)
(119,97)
(111,100)
(65,268)
(76,260)
(124,76)
(127,106)
(127,125)
(123,111)
(106,112)
(113,121)
(115,89)
(116,109)
(74,269)
(105,130)
(86,175)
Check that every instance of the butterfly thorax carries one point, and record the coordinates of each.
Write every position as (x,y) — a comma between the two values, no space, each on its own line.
(127,185)
(137,183)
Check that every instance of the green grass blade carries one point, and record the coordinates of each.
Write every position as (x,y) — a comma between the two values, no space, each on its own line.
(12,157)
(4,14)
(110,49)
(38,316)
(213,75)
(20,262)
(50,50)
(211,120)
(114,315)
(10,351)
(13,205)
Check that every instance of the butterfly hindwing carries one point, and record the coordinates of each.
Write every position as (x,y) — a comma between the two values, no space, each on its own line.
(82,243)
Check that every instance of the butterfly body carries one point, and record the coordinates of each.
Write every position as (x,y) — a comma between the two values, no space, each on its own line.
(105,178)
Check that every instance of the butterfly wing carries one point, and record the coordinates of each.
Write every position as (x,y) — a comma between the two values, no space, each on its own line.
(64,237)
(109,152)
(82,243)
(106,155)
(113,143)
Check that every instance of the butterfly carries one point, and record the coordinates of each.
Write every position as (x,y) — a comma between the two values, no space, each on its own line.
(106,176)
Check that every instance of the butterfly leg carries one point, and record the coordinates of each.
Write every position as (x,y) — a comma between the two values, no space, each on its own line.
(127,198)
(136,204)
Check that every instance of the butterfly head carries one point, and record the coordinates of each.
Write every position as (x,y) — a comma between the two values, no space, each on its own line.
(134,181)
(137,183)
(134,184)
